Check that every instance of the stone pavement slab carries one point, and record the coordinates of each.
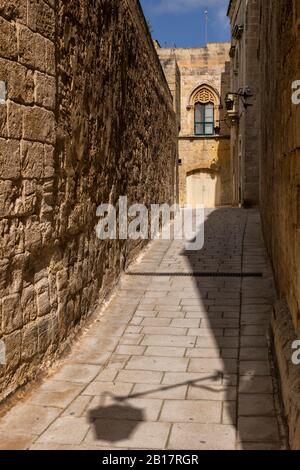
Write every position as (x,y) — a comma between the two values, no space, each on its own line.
(173,361)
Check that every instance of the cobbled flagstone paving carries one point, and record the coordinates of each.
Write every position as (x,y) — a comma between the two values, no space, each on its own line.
(174,362)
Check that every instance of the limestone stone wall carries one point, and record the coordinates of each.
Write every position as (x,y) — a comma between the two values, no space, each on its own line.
(204,66)
(173,77)
(280,181)
(246,116)
(86,115)
(211,156)
(172,74)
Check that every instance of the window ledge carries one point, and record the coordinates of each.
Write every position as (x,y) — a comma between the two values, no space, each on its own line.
(204,137)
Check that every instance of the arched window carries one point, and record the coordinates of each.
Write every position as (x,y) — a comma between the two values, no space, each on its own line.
(204,119)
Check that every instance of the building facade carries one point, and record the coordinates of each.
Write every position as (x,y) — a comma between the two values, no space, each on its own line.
(244,101)
(265,153)
(199,80)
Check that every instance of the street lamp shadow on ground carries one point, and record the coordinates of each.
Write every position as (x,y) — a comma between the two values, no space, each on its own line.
(127,417)
(218,269)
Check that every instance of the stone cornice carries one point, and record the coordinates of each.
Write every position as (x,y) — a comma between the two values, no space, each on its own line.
(230,6)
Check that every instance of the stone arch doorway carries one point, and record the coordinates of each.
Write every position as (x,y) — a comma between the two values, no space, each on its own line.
(203,188)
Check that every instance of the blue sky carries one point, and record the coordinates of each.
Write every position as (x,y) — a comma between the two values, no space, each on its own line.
(181,22)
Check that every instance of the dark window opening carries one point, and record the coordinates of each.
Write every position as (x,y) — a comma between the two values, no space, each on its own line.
(204,119)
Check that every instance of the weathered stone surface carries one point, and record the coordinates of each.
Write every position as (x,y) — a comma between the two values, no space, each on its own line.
(67,145)
(114,392)
(280,52)
(28,304)
(13,354)
(32,156)
(11,313)
(39,125)
(29,346)
(9,159)
(44,19)
(6,198)
(19,81)
(245,126)
(26,46)
(284,335)
(15,120)
(187,71)
(8,44)
(3,121)
(45,90)
(13,10)
(49,59)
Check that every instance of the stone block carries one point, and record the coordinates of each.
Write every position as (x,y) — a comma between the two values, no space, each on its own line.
(157,364)
(55,394)
(15,120)
(256,405)
(6,198)
(33,236)
(134,435)
(45,20)
(77,373)
(12,318)
(13,350)
(26,46)
(65,430)
(29,419)
(254,384)
(10,167)
(29,346)
(48,161)
(77,407)
(139,376)
(19,81)
(3,121)
(15,442)
(13,10)
(166,340)
(50,63)
(45,90)
(39,125)
(32,159)
(40,53)
(185,411)
(164,351)
(45,334)
(134,408)
(198,436)
(101,388)
(8,44)
(258,429)
(28,304)
(29,199)
(42,297)
(31,14)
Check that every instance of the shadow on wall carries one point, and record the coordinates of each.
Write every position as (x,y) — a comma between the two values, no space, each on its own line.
(237,304)
(224,149)
(235,297)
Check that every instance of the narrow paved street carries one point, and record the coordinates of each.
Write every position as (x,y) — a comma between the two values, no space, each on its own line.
(178,360)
